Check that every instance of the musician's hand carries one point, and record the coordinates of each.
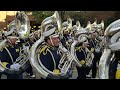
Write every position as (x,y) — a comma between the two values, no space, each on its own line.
(92,49)
(85,44)
(97,50)
(82,62)
(15,66)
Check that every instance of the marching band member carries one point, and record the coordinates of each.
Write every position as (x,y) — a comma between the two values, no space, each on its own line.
(97,52)
(67,37)
(81,55)
(96,43)
(49,52)
(27,43)
(84,52)
(10,53)
(67,40)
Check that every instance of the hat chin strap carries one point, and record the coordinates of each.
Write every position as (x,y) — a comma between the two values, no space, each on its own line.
(9,41)
(51,41)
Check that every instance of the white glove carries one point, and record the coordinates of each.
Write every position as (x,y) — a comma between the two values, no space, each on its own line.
(70,40)
(97,50)
(15,66)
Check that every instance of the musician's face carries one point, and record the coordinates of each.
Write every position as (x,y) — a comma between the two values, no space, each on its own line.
(94,35)
(101,33)
(85,44)
(66,32)
(0,36)
(13,41)
(54,41)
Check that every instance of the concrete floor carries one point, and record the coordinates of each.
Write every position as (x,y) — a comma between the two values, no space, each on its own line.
(26,76)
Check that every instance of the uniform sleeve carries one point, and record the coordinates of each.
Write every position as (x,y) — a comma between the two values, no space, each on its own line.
(46,60)
(80,55)
(6,64)
(3,58)
(63,42)
(91,46)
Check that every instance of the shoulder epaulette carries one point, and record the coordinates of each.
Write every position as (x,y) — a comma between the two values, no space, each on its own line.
(6,45)
(49,46)
(3,44)
(43,49)
(1,49)
(78,49)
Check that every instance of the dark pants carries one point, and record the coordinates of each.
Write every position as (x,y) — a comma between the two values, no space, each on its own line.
(29,70)
(0,75)
(113,65)
(14,76)
(113,69)
(94,64)
(82,72)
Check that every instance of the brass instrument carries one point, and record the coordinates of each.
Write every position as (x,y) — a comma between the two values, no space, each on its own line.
(22,24)
(112,44)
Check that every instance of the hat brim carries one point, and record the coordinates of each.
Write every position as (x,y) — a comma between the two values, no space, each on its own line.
(54,35)
(12,37)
